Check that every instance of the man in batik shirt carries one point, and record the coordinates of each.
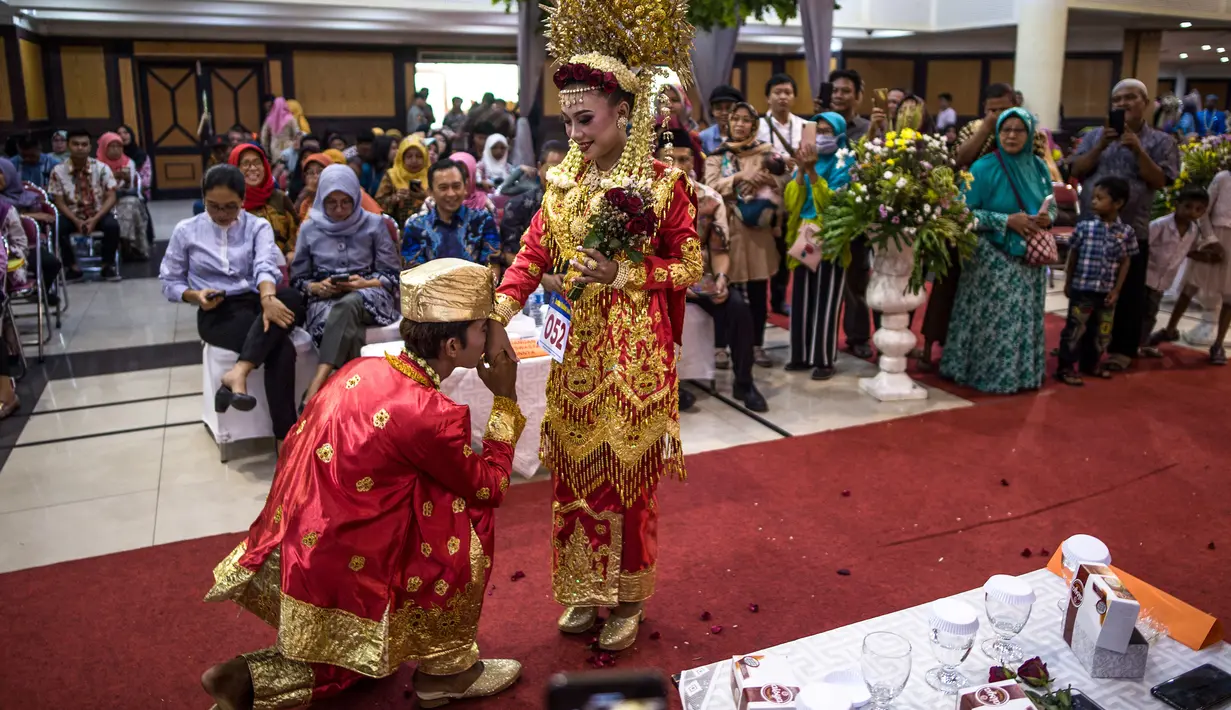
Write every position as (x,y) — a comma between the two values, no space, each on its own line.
(450,228)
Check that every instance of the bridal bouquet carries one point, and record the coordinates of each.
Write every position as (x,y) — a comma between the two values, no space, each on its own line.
(905,192)
(621,220)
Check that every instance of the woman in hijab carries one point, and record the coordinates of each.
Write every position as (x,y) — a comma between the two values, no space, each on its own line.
(335,141)
(263,199)
(477,199)
(494,170)
(129,208)
(745,171)
(279,130)
(995,340)
(816,295)
(59,146)
(301,122)
(404,186)
(139,159)
(681,108)
(312,167)
(347,267)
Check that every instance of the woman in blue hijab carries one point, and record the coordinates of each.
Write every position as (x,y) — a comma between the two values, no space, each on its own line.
(816,295)
(995,340)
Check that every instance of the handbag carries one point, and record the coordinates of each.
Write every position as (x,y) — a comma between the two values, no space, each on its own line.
(1041,247)
(807,247)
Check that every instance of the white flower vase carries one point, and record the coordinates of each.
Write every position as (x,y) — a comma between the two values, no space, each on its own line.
(887,293)
(1205,333)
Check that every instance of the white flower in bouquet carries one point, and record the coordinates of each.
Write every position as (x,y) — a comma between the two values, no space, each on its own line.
(901,183)
(927,209)
(888,175)
(858,199)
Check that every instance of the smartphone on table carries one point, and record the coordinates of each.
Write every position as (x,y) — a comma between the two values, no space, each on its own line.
(1081,701)
(1203,688)
(607,690)
(1115,120)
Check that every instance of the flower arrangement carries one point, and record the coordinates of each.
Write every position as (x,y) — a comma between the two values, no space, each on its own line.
(905,192)
(1037,681)
(1200,161)
(622,219)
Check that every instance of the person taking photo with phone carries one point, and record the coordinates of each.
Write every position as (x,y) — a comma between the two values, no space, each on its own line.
(403,188)
(1148,160)
(375,544)
(224,261)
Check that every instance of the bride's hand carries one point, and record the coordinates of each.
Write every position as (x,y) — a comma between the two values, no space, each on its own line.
(594,267)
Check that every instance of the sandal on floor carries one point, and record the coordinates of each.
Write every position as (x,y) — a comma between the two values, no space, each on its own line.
(8,408)
(1151,352)
(1103,373)
(1071,379)
(1218,355)
(1166,335)
(722,359)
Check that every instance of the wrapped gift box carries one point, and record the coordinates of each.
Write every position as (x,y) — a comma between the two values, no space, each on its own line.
(764,682)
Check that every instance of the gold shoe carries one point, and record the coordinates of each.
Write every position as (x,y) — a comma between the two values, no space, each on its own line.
(498,675)
(619,632)
(577,619)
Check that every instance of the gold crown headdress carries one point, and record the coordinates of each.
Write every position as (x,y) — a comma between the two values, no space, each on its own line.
(621,42)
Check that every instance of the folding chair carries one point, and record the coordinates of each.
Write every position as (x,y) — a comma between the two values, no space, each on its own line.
(83,245)
(32,292)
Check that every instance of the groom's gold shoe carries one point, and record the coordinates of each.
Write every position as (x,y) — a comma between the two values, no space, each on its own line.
(619,632)
(577,619)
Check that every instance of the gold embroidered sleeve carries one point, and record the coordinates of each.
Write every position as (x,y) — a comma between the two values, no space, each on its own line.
(506,422)
(506,307)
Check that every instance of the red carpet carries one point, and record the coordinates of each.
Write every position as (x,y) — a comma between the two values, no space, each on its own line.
(1139,461)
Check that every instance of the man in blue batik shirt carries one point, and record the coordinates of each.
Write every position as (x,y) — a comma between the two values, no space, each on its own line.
(32,163)
(450,228)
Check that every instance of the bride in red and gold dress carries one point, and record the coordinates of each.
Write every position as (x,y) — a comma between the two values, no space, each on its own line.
(611,431)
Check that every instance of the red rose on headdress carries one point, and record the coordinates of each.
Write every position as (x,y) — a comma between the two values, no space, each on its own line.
(633,204)
(580,72)
(561,77)
(609,83)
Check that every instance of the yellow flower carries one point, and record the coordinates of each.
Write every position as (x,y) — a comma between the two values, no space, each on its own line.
(891,161)
(890,136)
(909,134)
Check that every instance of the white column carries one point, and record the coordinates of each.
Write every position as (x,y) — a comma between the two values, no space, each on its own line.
(1038,67)
(1181,83)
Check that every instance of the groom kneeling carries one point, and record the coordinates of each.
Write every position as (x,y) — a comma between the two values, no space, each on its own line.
(376,541)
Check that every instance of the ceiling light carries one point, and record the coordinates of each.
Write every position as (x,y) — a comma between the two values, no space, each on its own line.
(1220,50)
(1185,25)
(1183,55)
(1224,60)
(1205,47)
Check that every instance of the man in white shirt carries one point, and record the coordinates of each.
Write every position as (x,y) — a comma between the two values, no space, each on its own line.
(780,94)
(947,116)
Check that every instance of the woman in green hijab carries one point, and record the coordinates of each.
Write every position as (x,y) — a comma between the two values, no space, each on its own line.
(995,339)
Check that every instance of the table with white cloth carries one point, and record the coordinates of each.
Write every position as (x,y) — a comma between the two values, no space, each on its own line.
(709,687)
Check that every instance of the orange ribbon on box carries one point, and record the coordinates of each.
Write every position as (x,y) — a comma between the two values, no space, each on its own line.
(1185,623)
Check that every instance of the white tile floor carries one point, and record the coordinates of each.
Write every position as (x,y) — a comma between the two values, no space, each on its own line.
(150,473)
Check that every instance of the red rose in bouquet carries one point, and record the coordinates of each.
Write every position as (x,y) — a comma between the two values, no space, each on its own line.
(617,197)
(633,204)
(641,224)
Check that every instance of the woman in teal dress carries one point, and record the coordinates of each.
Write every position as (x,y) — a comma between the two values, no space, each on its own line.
(995,339)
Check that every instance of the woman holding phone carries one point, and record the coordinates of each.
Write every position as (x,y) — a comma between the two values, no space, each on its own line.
(404,187)
(224,261)
(347,267)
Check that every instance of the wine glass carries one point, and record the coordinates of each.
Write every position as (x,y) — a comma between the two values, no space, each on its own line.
(1008,619)
(954,625)
(1076,551)
(886,666)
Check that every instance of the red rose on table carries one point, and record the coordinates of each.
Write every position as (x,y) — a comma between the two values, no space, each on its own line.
(561,77)
(1034,672)
(999,673)
(633,204)
(580,72)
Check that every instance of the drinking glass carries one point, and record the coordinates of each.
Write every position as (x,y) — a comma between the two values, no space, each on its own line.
(886,666)
(950,649)
(1008,620)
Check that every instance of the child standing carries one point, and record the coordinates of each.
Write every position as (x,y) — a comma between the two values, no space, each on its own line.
(1171,238)
(1099,252)
(1210,270)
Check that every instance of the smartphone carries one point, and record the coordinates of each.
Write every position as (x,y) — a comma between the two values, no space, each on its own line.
(216,295)
(880,99)
(1081,701)
(607,690)
(1115,120)
(416,185)
(1202,688)
(807,136)
(337,278)
(825,98)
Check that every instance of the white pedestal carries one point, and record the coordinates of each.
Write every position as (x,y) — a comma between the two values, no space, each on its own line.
(894,339)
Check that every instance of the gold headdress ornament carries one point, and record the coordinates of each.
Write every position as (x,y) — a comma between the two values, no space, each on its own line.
(447,291)
(629,40)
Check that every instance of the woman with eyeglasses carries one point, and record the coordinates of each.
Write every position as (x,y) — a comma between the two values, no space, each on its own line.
(224,261)
(263,199)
